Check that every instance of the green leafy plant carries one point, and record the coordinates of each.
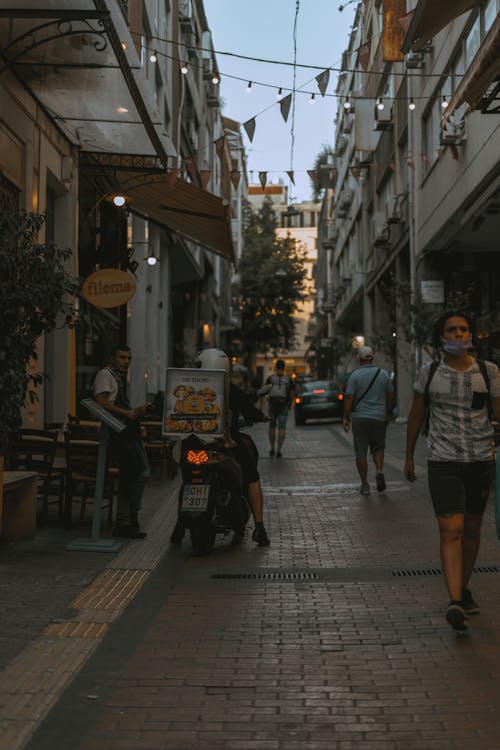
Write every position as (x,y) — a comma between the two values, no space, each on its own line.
(35,293)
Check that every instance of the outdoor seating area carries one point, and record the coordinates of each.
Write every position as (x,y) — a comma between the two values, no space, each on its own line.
(62,466)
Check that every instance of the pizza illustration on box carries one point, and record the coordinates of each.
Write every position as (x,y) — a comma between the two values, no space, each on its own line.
(194,402)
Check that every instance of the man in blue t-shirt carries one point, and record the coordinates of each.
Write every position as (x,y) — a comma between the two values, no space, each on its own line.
(369,398)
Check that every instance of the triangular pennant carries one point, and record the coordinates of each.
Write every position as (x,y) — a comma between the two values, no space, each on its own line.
(364,54)
(173,175)
(190,162)
(440,153)
(410,163)
(249,126)
(405,21)
(314,176)
(291,176)
(425,160)
(235,178)
(285,106)
(322,80)
(219,146)
(205,175)
(454,152)
(263,179)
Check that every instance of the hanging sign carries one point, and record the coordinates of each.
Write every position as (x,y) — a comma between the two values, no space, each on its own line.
(109,287)
(432,291)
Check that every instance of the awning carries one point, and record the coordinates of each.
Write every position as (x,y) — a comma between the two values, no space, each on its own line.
(480,85)
(429,17)
(196,214)
(81,65)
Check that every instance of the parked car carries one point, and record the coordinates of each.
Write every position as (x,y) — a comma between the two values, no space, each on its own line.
(303,378)
(317,399)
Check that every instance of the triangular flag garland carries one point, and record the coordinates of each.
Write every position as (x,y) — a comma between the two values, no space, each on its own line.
(314,176)
(205,175)
(263,179)
(322,80)
(454,152)
(172,176)
(410,163)
(291,176)
(235,178)
(285,106)
(425,160)
(249,126)
(364,54)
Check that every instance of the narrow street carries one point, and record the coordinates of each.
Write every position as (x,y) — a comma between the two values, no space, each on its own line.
(333,637)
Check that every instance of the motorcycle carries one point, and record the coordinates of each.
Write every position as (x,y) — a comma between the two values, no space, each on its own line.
(212,496)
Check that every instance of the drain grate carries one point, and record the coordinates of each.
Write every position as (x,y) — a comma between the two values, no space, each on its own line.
(438,572)
(267,576)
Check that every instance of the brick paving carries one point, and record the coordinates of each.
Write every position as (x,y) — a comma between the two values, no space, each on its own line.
(323,640)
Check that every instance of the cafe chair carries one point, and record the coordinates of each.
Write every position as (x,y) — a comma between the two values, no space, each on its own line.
(81,476)
(158,448)
(35,450)
(83,429)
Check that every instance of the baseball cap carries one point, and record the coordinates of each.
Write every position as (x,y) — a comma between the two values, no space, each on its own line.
(366,352)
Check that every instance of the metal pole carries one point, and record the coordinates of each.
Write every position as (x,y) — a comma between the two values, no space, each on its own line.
(99,482)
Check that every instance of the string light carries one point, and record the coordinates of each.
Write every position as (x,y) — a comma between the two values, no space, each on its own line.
(444,103)
(280,93)
(380,104)
(412,105)
(347,103)
(312,99)
(215,79)
(184,68)
(249,87)
(153,57)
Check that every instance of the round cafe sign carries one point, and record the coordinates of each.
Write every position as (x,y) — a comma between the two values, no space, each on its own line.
(109,287)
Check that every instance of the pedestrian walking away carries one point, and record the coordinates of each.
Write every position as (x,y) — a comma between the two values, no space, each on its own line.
(368,403)
(461,395)
(280,401)
(126,447)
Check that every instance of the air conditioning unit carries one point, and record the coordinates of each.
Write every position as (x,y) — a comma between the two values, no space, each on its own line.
(452,133)
(414,61)
(346,198)
(380,230)
(383,118)
(186,20)
(347,125)
(213,95)
(393,214)
(364,160)
(341,145)
(208,68)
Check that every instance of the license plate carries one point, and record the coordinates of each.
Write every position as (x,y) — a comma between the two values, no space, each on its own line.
(195,496)
(319,399)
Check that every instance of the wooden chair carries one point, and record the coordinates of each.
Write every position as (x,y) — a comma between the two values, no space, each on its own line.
(35,450)
(83,429)
(81,469)
(158,448)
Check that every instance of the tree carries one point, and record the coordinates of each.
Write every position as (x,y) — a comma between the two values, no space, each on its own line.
(323,166)
(272,272)
(34,289)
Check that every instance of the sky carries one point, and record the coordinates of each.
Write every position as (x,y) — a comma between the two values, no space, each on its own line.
(264,28)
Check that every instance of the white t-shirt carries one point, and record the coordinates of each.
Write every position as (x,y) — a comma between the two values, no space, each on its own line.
(105,382)
(458,432)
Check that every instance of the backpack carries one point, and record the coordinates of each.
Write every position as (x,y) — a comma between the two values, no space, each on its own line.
(432,370)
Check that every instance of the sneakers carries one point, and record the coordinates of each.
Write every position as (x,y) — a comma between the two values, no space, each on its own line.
(260,536)
(380,480)
(364,489)
(271,452)
(279,454)
(470,606)
(455,615)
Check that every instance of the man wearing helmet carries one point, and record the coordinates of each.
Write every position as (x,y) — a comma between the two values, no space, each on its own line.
(245,450)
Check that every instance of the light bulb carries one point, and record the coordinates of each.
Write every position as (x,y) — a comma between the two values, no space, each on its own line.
(280,93)
(153,57)
(215,79)
(412,105)
(249,87)
(151,260)
(444,103)
(184,68)
(380,104)
(347,104)
(119,200)
(312,99)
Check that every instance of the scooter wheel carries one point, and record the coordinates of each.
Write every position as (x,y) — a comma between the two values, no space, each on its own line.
(202,539)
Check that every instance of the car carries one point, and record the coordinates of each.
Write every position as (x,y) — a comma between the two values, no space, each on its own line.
(317,399)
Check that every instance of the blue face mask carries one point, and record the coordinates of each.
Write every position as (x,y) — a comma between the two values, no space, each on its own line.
(458,347)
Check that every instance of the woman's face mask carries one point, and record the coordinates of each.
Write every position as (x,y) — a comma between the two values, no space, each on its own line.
(457,347)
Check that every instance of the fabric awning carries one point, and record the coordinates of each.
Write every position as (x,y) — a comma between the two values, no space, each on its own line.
(196,214)
(430,17)
(483,71)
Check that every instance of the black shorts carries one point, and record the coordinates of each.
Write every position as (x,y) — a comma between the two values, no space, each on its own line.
(368,433)
(460,487)
(246,455)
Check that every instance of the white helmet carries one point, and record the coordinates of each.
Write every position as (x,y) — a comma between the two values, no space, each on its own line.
(213,359)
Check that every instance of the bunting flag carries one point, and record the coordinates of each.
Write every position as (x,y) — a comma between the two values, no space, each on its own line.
(392,31)
(172,176)
(205,175)
(322,80)
(355,173)
(263,179)
(440,153)
(454,152)
(285,106)
(410,163)
(425,160)
(392,164)
(405,21)
(314,176)
(249,126)
(190,163)
(220,145)
(291,176)
(364,54)
(235,178)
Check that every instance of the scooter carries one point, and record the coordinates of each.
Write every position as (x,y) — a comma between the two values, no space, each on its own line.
(212,497)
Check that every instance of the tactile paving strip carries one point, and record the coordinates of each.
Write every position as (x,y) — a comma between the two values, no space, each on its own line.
(112,589)
(77,629)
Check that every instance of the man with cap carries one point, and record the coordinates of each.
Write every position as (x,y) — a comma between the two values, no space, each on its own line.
(369,398)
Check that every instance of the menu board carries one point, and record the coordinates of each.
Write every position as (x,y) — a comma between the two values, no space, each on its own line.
(105,416)
(194,402)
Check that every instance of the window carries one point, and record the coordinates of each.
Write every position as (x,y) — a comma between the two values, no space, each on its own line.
(430,132)
(472,42)
(489,14)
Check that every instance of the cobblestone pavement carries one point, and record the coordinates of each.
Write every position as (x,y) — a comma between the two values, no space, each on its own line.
(333,637)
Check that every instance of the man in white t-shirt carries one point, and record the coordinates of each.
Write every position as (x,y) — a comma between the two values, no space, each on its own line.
(462,396)
(110,391)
